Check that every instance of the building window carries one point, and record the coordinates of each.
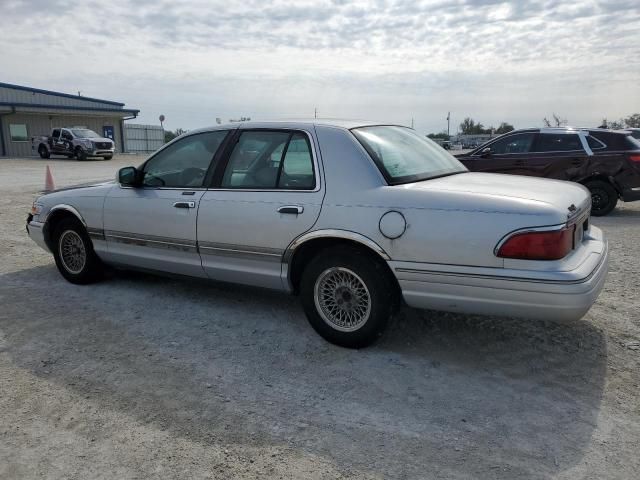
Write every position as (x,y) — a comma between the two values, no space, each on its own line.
(18,132)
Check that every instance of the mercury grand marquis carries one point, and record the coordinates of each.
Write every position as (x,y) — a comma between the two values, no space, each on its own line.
(353,217)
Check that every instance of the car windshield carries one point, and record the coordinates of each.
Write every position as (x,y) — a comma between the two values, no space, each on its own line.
(403,156)
(84,133)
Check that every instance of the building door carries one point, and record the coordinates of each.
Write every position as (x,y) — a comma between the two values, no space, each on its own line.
(108,132)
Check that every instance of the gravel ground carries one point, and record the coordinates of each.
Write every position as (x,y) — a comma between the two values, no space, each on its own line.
(146,377)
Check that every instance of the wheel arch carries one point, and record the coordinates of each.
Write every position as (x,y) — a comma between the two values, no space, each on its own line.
(597,176)
(305,247)
(55,215)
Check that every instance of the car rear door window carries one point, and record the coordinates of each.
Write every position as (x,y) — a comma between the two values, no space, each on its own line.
(184,164)
(270,160)
(558,142)
(297,167)
(518,143)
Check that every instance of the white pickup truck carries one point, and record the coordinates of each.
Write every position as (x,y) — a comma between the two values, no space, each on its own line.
(79,142)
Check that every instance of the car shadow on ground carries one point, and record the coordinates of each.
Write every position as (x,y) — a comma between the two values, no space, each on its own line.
(439,395)
(619,213)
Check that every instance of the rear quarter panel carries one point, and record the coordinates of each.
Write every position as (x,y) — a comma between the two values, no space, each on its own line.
(442,227)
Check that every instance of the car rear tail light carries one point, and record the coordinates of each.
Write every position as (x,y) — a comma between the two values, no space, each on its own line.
(549,245)
(635,158)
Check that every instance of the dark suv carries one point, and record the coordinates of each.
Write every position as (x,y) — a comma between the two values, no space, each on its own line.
(607,162)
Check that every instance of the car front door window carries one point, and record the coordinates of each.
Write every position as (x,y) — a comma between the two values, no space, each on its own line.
(183,164)
(520,143)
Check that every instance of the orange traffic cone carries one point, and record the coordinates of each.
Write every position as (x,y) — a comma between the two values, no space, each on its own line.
(48,181)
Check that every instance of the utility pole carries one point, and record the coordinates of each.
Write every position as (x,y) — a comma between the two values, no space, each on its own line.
(448,124)
(315,112)
(411,122)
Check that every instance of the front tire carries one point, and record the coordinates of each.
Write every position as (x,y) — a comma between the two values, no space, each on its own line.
(73,252)
(348,296)
(81,155)
(108,157)
(43,152)
(604,197)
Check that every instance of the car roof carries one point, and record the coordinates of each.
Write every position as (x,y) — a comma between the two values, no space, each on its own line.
(296,123)
(567,129)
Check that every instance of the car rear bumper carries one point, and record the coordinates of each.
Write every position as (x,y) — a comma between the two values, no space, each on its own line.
(35,231)
(631,194)
(561,296)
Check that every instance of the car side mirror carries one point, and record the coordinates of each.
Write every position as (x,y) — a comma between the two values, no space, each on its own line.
(486,152)
(128,177)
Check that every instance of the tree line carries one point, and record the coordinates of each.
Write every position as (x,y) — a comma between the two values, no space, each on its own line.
(470,127)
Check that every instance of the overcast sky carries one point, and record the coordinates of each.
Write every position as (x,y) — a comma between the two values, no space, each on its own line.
(197,60)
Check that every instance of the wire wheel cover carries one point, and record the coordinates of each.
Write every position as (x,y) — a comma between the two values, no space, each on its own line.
(342,299)
(72,251)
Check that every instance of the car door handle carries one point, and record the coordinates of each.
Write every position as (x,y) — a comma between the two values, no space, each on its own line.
(293,209)
(185,204)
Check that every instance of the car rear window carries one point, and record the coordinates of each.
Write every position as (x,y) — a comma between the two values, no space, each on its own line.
(403,156)
(632,143)
(615,141)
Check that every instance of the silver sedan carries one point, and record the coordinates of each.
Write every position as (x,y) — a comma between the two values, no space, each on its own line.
(353,217)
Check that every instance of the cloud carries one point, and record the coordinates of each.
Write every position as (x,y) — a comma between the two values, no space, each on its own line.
(494,60)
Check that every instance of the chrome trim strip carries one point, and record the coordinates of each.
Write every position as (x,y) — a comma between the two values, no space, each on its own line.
(152,241)
(331,233)
(534,153)
(147,187)
(240,251)
(68,208)
(501,277)
(96,233)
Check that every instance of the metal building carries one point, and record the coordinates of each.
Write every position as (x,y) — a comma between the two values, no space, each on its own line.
(143,138)
(27,112)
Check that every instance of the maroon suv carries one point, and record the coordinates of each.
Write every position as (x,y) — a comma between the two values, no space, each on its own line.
(607,162)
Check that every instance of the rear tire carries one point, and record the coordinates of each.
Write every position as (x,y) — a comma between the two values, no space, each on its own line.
(604,197)
(73,252)
(348,296)
(43,152)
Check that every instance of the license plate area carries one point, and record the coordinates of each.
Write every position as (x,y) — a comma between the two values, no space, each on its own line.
(582,225)
(578,235)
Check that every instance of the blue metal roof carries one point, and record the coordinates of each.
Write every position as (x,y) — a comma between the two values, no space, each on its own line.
(69,107)
(58,94)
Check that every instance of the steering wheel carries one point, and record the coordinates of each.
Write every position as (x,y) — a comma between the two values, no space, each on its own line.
(149,176)
(192,176)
